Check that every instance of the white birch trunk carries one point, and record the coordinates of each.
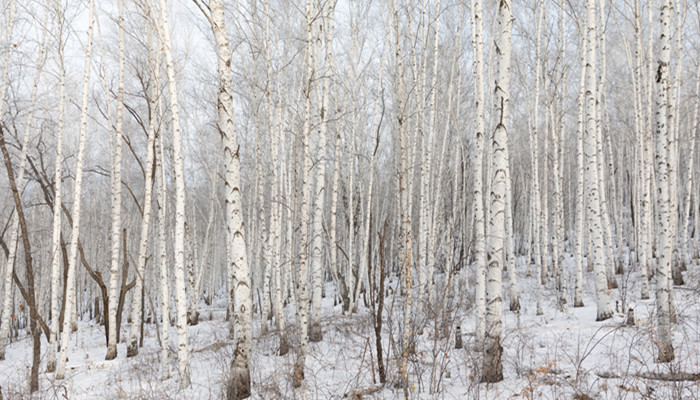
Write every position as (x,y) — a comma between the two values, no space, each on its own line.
(593,219)
(689,173)
(132,347)
(275,119)
(433,211)
(301,276)
(537,197)
(650,177)
(239,384)
(14,232)
(493,366)
(14,229)
(75,232)
(178,163)
(405,214)
(479,221)
(116,177)
(57,212)
(643,193)
(163,255)
(665,213)
(327,12)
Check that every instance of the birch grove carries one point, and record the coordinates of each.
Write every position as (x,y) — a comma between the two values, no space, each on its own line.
(326,199)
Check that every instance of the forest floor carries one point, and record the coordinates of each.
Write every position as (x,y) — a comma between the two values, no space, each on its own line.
(562,354)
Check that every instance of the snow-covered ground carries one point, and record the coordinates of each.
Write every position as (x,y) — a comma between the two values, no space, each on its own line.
(562,354)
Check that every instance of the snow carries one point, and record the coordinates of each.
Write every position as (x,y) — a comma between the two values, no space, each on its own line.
(558,355)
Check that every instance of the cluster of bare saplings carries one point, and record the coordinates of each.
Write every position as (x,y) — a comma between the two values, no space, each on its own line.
(344,150)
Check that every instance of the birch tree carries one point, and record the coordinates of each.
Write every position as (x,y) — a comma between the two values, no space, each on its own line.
(132,347)
(479,222)
(493,366)
(178,163)
(7,278)
(116,180)
(302,307)
(77,196)
(538,196)
(58,195)
(665,214)
(238,385)
(593,217)
(404,194)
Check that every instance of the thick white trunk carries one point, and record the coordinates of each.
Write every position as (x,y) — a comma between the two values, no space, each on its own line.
(239,385)
(493,366)
(479,221)
(665,213)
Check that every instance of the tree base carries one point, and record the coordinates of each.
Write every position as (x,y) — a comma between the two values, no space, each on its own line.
(298,376)
(677,277)
(239,385)
(132,350)
(515,305)
(50,368)
(284,346)
(665,353)
(493,367)
(603,315)
(315,333)
(578,303)
(111,353)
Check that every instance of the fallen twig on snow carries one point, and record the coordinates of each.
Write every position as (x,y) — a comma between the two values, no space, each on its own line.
(670,377)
